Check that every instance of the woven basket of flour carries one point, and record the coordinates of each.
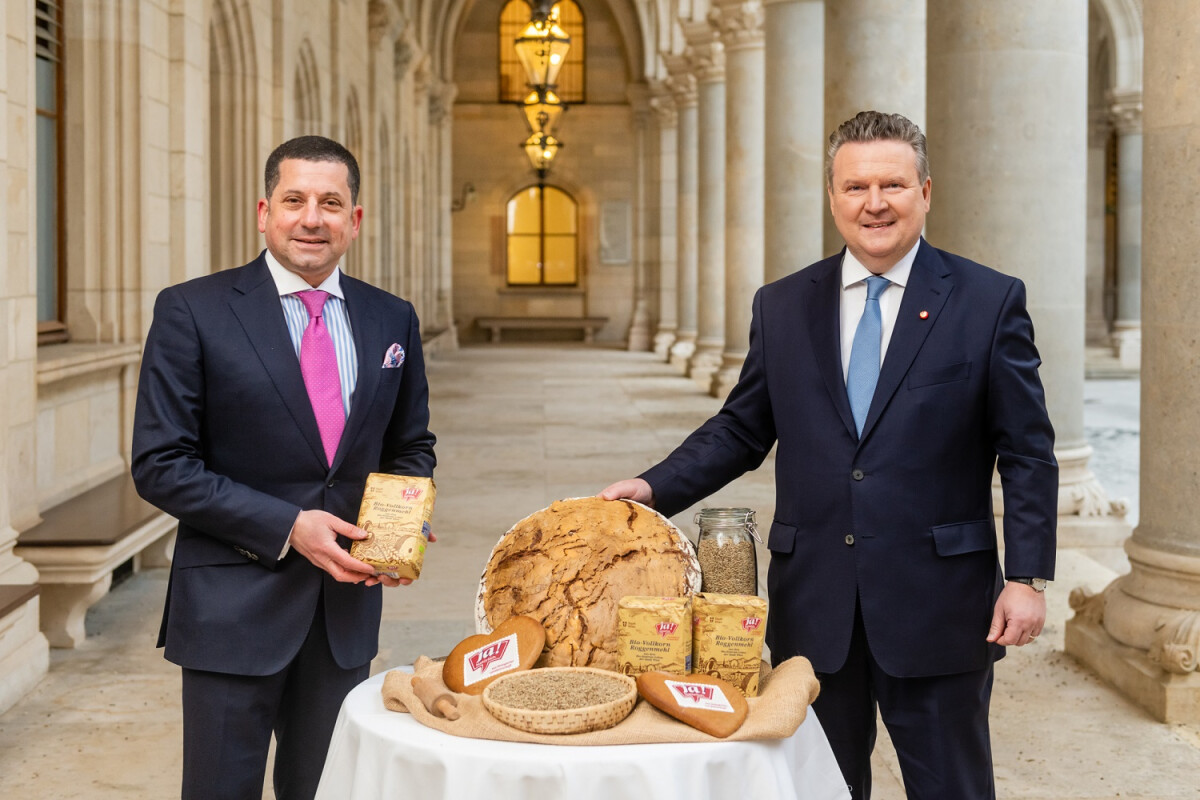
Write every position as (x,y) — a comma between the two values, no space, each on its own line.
(570,564)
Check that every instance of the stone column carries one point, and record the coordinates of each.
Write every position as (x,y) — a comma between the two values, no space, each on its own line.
(1009,173)
(795,136)
(1095,305)
(1143,632)
(667,193)
(683,86)
(638,336)
(740,23)
(874,59)
(24,652)
(708,61)
(441,109)
(1127,328)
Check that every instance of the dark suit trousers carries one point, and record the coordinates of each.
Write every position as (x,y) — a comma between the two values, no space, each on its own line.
(228,721)
(938,725)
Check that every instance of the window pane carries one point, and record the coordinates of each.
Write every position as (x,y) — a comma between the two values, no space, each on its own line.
(560,211)
(513,20)
(560,259)
(47,218)
(46,85)
(571,85)
(523,256)
(524,212)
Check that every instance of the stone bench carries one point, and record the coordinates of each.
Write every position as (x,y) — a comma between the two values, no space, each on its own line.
(589,325)
(79,543)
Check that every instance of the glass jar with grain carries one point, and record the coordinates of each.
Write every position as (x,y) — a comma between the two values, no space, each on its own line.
(725,549)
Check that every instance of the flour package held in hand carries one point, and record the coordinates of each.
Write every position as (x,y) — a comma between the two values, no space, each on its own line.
(727,638)
(396,512)
(654,633)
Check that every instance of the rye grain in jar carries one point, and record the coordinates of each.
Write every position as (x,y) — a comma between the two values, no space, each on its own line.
(726,550)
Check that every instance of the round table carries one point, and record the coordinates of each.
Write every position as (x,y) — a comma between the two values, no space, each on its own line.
(376,753)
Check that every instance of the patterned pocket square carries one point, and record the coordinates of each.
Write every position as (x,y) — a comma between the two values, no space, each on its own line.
(394,357)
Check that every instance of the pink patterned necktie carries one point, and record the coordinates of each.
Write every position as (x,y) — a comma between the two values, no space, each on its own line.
(318,365)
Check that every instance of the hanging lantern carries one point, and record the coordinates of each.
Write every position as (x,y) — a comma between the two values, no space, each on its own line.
(542,47)
(541,149)
(542,108)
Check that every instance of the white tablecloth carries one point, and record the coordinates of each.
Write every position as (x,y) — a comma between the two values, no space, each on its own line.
(376,753)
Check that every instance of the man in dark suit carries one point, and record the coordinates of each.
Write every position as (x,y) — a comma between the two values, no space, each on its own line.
(895,377)
(259,416)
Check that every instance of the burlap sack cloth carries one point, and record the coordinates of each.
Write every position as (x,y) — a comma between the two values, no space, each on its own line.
(784,696)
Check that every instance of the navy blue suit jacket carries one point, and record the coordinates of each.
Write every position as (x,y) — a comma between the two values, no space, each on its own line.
(225,440)
(901,518)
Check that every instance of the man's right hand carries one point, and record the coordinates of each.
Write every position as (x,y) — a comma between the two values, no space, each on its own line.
(634,489)
(314,536)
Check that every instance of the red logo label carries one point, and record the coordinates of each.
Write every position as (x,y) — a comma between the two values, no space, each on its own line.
(751,623)
(666,628)
(411,493)
(694,691)
(488,655)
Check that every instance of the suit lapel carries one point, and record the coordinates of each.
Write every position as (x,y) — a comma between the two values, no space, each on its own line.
(257,307)
(929,285)
(824,323)
(369,347)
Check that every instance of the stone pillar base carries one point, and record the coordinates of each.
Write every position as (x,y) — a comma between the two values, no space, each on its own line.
(1086,515)
(24,654)
(663,341)
(682,351)
(1166,696)
(704,365)
(1142,633)
(1105,531)
(1127,344)
(727,376)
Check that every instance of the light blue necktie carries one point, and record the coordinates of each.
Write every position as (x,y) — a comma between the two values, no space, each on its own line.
(863,373)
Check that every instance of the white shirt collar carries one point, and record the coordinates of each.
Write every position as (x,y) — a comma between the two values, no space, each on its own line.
(288,282)
(854,272)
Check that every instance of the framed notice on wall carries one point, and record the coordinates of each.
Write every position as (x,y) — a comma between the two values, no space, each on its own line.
(616,232)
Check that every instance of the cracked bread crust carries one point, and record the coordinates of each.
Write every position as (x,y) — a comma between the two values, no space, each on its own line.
(570,564)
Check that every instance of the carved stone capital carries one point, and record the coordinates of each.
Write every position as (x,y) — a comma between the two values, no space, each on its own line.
(681,82)
(662,104)
(664,110)
(740,23)
(705,53)
(382,16)
(422,73)
(1099,126)
(1125,110)
(404,53)
(708,62)
(441,101)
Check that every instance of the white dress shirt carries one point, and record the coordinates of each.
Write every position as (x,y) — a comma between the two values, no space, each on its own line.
(854,300)
(337,320)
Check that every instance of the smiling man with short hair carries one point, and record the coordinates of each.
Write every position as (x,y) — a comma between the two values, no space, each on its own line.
(894,378)
(267,395)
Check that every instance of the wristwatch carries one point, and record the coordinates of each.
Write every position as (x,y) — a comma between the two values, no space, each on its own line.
(1037,584)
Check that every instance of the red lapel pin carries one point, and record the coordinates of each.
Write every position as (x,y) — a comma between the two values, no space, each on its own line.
(924,315)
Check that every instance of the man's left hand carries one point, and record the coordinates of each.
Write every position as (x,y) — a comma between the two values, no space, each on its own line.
(1019,616)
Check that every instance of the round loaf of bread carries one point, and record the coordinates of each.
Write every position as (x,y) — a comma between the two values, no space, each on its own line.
(570,564)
